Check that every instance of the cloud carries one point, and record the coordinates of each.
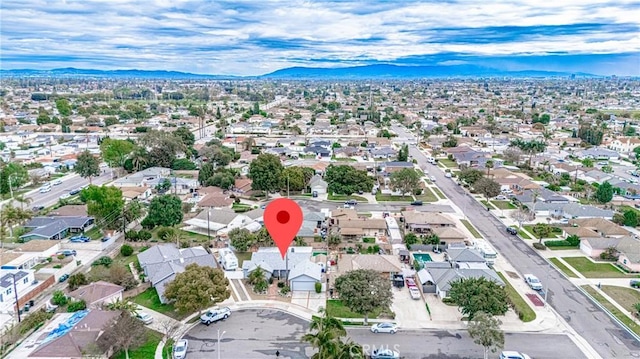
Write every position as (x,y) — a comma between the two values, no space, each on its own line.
(254,37)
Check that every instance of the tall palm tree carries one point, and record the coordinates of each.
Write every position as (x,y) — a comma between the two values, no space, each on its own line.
(326,341)
(139,158)
(22,200)
(349,350)
(11,216)
(489,166)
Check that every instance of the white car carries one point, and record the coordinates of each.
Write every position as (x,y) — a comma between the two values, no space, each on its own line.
(57,182)
(513,355)
(533,281)
(144,317)
(65,196)
(384,327)
(415,292)
(385,354)
(214,315)
(180,349)
(432,178)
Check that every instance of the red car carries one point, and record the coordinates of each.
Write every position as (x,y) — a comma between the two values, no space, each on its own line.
(411,282)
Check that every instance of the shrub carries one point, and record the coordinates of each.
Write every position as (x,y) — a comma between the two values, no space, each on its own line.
(103,261)
(76,306)
(61,256)
(131,235)
(144,235)
(318,287)
(165,232)
(539,246)
(260,286)
(562,243)
(285,290)
(126,250)
(280,284)
(59,298)
(77,280)
(57,266)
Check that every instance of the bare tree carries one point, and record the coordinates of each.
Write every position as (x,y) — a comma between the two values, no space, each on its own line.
(521,215)
(123,333)
(513,155)
(169,329)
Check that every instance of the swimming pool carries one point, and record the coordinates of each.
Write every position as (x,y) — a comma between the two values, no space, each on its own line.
(422,257)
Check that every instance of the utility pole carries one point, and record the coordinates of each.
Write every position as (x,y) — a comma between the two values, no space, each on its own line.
(208,226)
(15,289)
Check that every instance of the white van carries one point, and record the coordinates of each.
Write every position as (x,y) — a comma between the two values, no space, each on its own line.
(228,260)
(45,188)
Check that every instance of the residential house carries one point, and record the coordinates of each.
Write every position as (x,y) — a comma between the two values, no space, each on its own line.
(312,223)
(463,255)
(599,154)
(270,260)
(354,229)
(318,185)
(15,280)
(629,254)
(395,166)
(75,336)
(216,200)
(386,265)
(142,178)
(178,185)
(603,227)
(136,193)
(383,153)
(56,227)
(219,221)
(162,262)
(440,276)
(98,293)
(623,144)
(423,222)
(28,255)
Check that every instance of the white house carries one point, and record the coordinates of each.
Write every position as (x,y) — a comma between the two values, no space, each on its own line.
(12,280)
(305,275)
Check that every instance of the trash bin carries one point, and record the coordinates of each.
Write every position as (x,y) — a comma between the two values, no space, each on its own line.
(31,303)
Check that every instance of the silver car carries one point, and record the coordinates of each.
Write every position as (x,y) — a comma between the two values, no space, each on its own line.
(180,349)
(384,327)
(385,354)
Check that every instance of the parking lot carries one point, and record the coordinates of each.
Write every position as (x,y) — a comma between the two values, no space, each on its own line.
(251,333)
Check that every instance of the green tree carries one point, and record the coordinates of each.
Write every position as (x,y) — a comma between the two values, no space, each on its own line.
(542,230)
(406,180)
(475,295)
(77,280)
(488,187)
(630,218)
(485,330)
(116,152)
(165,210)
(266,173)
(604,193)
(410,239)
(222,179)
(206,171)
(197,288)
(105,203)
(363,291)
(241,239)
(62,104)
(13,172)
(403,154)
(470,175)
(183,164)
(345,179)
(11,216)
(186,136)
(87,166)
(574,240)
(295,177)
(529,147)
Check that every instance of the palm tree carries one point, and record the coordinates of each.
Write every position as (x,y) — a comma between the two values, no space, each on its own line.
(139,157)
(23,200)
(325,341)
(11,216)
(349,350)
(489,166)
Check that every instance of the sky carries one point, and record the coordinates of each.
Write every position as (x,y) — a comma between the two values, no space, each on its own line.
(255,37)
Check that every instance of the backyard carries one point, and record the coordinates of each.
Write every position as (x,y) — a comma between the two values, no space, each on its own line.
(591,269)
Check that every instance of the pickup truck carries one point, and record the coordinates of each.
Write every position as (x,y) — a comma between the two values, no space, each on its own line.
(215,315)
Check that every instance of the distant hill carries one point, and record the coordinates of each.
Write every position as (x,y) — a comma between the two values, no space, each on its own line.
(348,73)
(140,74)
(406,72)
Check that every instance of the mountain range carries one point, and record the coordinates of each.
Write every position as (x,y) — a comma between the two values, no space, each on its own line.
(380,71)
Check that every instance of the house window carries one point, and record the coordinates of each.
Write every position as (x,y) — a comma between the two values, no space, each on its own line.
(9,291)
(25,280)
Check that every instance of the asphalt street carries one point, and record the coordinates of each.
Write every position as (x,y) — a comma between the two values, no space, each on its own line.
(588,320)
(379,207)
(444,344)
(251,334)
(50,198)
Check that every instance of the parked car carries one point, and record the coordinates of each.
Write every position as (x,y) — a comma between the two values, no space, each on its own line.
(65,196)
(144,317)
(63,278)
(448,175)
(66,252)
(416,203)
(513,355)
(384,354)
(414,292)
(351,202)
(501,197)
(215,315)
(384,327)
(37,208)
(512,231)
(180,349)
(57,182)
(74,191)
(79,239)
(533,281)
(410,282)
(432,178)
(105,239)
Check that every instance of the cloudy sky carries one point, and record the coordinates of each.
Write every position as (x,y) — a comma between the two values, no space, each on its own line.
(259,36)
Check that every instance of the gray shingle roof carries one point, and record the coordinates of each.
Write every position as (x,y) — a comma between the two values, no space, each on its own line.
(308,268)
(271,256)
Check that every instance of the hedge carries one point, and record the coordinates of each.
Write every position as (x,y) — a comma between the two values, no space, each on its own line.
(561,243)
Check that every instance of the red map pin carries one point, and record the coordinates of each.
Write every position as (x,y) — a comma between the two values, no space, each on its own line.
(283,219)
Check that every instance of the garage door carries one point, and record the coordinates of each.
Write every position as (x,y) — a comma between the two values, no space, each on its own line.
(303,285)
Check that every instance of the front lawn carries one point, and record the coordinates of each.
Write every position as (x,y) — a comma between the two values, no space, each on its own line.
(448,163)
(626,297)
(553,235)
(196,237)
(524,311)
(336,309)
(391,198)
(241,207)
(427,196)
(471,228)
(149,299)
(343,197)
(630,323)
(146,350)
(563,267)
(503,204)
(591,269)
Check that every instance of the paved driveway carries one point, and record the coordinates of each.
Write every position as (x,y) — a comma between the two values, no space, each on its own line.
(311,300)
(251,333)
(410,313)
